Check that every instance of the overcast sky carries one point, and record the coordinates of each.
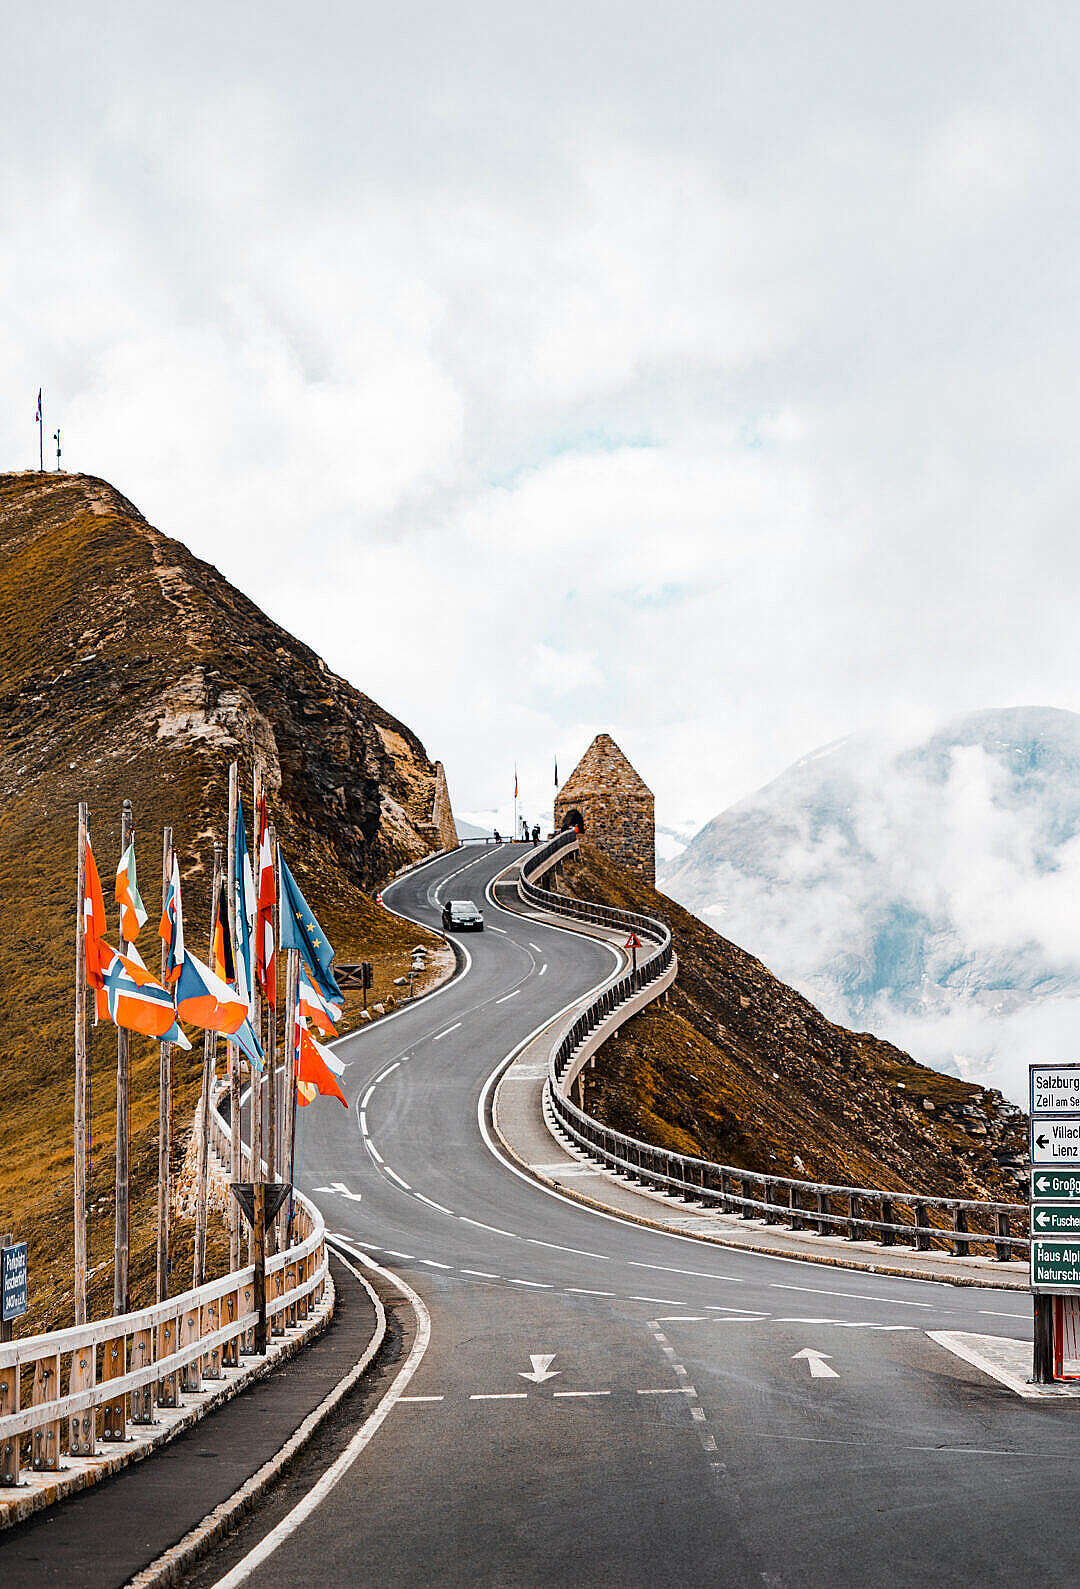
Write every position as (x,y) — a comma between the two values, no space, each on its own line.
(703,373)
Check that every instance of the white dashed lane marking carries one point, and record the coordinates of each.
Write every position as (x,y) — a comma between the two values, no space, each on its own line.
(507,996)
(439,1037)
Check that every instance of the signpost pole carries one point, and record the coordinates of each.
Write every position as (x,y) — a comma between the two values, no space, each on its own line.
(1054,1227)
(1042,1363)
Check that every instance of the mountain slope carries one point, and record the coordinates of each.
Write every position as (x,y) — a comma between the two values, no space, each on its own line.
(742,1069)
(926,886)
(131,669)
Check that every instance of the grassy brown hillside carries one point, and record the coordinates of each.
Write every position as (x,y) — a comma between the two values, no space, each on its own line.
(131,669)
(741,1069)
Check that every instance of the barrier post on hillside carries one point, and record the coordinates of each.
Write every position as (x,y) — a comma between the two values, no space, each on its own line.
(164,1101)
(80,1074)
(209,1058)
(123,1129)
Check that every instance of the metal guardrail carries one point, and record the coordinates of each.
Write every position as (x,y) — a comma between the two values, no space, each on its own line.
(52,1385)
(856,1212)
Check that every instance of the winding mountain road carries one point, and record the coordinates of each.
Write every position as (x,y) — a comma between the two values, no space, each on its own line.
(598,1403)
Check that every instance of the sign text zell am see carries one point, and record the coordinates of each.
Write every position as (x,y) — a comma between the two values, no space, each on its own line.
(1055,1178)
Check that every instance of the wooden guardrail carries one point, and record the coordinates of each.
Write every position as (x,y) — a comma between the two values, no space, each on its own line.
(55,1387)
(855,1212)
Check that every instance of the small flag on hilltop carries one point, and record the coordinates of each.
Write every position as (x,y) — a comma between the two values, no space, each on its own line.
(171,930)
(311,1003)
(134,999)
(556,772)
(37,416)
(132,909)
(515,783)
(243,908)
(265,960)
(300,930)
(93,909)
(315,1071)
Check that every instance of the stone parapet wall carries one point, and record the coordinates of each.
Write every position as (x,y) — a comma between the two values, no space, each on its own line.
(442,815)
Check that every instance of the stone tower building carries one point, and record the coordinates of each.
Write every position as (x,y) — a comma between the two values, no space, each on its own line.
(613,808)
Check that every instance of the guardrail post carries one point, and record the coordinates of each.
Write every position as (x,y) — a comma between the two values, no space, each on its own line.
(230,1352)
(1002,1248)
(211,1363)
(855,1230)
(745,1191)
(888,1237)
(9,1448)
(190,1375)
(960,1225)
(114,1366)
(768,1193)
(142,1355)
(81,1425)
(922,1226)
(726,1204)
(277,1323)
(168,1391)
(822,1226)
(795,1219)
(46,1438)
(302,1272)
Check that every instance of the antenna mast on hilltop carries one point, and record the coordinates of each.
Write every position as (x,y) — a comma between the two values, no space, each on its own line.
(56,438)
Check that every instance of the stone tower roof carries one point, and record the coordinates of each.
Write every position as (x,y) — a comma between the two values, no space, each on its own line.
(603,768)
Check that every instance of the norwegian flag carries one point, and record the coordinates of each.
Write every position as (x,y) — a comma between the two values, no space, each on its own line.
(265,958)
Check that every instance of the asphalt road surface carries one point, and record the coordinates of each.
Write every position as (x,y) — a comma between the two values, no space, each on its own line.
(695,1415)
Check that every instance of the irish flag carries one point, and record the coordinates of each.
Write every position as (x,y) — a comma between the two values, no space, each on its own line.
(132,909)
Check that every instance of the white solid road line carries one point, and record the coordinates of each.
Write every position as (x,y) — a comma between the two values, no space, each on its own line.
(366,1432)
(449,1029)
(861,1296)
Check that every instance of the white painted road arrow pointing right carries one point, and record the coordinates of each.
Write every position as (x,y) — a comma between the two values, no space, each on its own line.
(819,1368)
(541,1367)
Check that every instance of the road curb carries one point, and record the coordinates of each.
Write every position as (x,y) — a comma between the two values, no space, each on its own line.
(171,1566)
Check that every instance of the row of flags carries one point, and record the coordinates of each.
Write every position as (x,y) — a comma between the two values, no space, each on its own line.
(217,997)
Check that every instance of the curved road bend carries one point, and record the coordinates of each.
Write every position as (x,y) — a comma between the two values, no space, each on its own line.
(674,1431)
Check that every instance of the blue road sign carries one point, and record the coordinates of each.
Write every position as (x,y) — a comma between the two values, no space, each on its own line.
(13,1282)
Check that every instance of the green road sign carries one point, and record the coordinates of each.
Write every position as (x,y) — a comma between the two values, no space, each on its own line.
(1055,1219)
(1053,1185)
(1055,1264)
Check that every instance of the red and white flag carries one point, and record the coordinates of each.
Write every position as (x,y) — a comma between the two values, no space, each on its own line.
(316,1005)
(265,957)
(37,416)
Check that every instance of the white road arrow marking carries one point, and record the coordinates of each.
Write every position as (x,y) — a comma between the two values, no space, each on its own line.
(541,1367)
(815,1361)
(342,1191)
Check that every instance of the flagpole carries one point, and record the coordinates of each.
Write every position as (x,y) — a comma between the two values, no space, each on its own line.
(164,1198)
(514,833)
(258,1144)
(209,1056)
(121,1243)
(234,1051)
(291,977)
(80,1075)
(41,433)
(271,1044)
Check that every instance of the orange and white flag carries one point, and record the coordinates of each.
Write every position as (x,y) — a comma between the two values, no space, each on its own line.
(132,909)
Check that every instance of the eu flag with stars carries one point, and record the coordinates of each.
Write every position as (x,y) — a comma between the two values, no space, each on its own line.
(300,930)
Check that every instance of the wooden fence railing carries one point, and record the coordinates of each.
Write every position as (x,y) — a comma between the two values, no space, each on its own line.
(76,1389)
